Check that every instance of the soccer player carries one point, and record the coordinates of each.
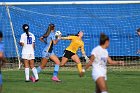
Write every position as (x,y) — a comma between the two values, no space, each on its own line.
(50,40)
(71,50)
(1,58)
(98,60)
(27,41)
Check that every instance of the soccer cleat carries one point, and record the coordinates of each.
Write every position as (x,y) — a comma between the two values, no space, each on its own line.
(27,80)
(32,79)
(55,78)
(37,80)
(81,74)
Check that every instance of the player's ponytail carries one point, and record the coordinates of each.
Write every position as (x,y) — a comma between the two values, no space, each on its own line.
(103,38)
(48,31)
(26,29)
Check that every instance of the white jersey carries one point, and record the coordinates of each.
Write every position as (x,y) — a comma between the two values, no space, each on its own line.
(28,43)
(101,56)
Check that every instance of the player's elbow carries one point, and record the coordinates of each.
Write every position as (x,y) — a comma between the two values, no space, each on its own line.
(54,43)
(1,55)
(41,39)
(21,44)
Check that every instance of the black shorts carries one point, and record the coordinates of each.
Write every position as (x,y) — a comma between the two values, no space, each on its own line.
(68,54)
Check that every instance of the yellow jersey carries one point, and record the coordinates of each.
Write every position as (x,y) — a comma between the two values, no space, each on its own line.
(75,44)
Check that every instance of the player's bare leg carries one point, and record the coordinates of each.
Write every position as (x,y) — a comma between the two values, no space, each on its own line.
(76,59)
(101,83)
(42,65)
(64,61)
(97,89)
(44,61)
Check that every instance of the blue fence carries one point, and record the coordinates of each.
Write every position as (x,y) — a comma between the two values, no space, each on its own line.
(119,22)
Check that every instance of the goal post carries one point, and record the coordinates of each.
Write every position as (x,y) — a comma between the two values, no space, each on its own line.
(118,19)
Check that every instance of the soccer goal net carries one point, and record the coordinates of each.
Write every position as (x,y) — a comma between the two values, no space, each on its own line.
(118,19)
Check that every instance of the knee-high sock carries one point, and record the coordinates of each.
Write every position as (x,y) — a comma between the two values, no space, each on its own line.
(56,69)
(39,69)
(35,73)
(27,73)
(79,66)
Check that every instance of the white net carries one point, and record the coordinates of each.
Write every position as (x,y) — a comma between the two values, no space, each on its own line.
(118,21)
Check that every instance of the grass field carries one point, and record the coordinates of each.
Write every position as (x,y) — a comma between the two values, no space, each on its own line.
(118,82)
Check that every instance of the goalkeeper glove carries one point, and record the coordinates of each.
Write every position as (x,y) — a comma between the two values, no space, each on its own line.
(86,58)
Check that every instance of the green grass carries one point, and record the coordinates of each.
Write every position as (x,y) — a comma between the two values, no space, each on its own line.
(118,82)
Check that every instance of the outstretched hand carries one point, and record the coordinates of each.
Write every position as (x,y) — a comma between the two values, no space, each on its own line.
(86,58)
(121,63)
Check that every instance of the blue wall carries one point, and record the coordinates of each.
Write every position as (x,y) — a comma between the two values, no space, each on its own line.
(118,21)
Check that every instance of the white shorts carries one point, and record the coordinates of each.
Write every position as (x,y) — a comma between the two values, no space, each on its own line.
(28,56)
(96,73)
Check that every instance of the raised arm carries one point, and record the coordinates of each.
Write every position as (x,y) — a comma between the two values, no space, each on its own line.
(67,38)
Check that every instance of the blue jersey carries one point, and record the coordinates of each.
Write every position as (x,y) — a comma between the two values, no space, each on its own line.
(49,45)
(1,47)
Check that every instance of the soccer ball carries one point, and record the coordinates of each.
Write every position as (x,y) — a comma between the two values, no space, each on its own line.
(58,33)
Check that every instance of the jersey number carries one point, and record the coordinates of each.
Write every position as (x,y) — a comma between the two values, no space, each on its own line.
(29,40)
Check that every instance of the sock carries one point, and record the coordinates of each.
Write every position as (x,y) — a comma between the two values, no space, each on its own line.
(35,73)
(79,66)
(27,73)
(56,69)
(104,92)
(39,69)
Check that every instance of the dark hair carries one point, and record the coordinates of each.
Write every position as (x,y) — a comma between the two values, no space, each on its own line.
(1,34)
(26,29)
(78,33)
(48,31)
(138,30)
(103,38)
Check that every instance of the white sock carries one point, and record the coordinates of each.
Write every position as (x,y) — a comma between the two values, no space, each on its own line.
(104,92)
(35,73)
(27,73)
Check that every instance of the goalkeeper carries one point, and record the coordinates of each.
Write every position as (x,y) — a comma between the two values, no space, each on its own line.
(70,51)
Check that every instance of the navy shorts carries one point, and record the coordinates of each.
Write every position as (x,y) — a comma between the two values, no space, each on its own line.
(68,54)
